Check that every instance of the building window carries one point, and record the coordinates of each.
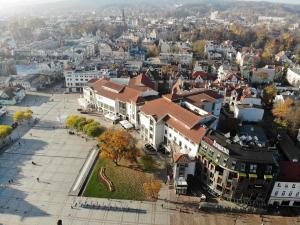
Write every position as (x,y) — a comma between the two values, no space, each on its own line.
(286,185)
(269,169)
(290,194)
(276,193)
(181,170)
(278,185)
(166,132)
(297,194)
(294,185)
(233,164)
(253,168)
(180,143)
(242,167)
(283,193)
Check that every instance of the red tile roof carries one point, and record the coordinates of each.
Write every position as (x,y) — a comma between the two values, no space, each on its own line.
(181,158)
(201,74)
(195,134)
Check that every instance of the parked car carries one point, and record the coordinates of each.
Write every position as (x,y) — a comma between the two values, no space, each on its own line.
(71,132)
(149,147)
(84,112)
(79,110)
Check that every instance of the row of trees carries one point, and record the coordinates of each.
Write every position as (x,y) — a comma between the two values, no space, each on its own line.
(87,126)
(19,116)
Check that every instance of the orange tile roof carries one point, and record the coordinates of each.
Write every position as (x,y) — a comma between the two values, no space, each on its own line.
(162,107)
(141,82)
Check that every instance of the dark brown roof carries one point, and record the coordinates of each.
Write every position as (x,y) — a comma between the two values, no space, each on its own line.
(114,86)
(108,89)
(290,171)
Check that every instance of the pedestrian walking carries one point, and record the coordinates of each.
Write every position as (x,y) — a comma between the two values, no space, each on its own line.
(19,143)
(38,179)
(33,163)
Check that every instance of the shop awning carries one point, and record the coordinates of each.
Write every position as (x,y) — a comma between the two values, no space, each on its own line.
(252,175)
(112,117)
(126,124)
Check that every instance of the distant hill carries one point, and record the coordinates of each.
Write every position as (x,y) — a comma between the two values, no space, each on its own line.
(266,8)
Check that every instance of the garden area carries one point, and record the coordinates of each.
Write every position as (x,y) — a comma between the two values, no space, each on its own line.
(122,171)
(128,182)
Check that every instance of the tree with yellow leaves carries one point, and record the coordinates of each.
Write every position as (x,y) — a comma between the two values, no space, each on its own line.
(199,48)
(20,116)
(117,145)
(5,131)
(269,94)
(282,109)
(151,188)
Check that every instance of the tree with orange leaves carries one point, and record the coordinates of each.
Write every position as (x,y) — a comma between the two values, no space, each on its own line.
(152,188)
(282,109)
(117,145)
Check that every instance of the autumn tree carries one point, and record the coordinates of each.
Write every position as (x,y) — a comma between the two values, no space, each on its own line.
(199,48)
(152,188)
(269,94)
(293,119)
(5,131)
(27,115)
(153,51)
(92,129)
(20,116)
(117,145)
(281,109)
(70,122)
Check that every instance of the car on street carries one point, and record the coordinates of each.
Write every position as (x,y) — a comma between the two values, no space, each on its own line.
(149,148)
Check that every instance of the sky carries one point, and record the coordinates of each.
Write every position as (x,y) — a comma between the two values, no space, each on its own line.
(6,3)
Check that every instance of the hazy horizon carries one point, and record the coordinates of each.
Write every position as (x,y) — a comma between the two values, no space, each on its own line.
(5,3)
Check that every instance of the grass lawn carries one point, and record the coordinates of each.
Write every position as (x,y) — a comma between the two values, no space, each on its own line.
(128,182)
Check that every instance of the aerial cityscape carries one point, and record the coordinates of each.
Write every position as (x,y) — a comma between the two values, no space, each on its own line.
(135,112)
